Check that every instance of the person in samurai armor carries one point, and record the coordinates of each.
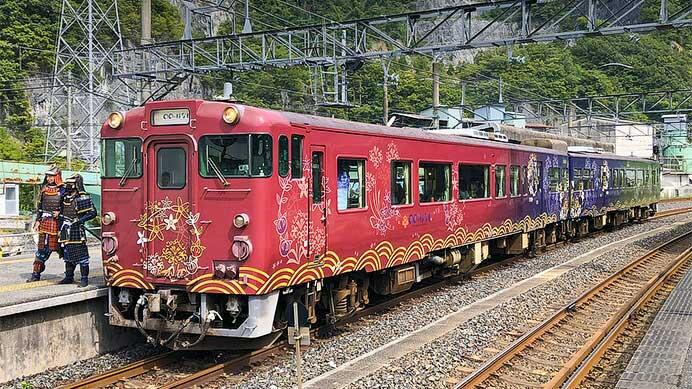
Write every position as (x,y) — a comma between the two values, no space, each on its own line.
(46,223)
(76,209)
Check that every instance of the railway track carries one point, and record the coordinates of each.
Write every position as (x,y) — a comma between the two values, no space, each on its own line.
(609,359)
(237,363)
(670,212)
(571,341)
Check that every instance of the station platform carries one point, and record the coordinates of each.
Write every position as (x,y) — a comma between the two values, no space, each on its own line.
(664,357)
(17,295)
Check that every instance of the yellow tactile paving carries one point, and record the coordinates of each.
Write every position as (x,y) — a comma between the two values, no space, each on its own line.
(32,285)
(27,285)
(24,260)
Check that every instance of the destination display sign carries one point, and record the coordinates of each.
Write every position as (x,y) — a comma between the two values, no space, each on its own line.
(169,117)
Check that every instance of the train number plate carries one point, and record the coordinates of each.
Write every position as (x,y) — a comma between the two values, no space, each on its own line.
(168,117)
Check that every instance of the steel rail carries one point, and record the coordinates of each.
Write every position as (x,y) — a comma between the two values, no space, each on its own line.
(489,368)
(127,371)
(670,212)
(578,372)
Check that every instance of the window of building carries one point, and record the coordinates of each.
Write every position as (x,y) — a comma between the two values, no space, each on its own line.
(283,156)
(514,180)
(350,183)
(121,157)
(500,181)
(554,179)
(171,169)
(433,182)
(296,156)
(236,155)
(474,182)
(11,199)
(401,182)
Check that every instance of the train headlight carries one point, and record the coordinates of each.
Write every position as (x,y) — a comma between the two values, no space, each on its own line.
(241,248)
(115,120)
(231,115)
(241,220)
(108,218)
(109,244)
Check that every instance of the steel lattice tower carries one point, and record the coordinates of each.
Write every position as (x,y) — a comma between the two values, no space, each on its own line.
(83,91)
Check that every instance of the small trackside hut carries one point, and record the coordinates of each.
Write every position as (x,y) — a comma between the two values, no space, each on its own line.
(217,216)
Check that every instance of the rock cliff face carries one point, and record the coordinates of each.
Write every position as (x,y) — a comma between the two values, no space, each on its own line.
(451,32)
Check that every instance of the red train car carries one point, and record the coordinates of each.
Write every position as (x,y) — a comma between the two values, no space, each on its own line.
(219,215)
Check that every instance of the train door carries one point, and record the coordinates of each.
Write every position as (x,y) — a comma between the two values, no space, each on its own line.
(168,204)
(317,205)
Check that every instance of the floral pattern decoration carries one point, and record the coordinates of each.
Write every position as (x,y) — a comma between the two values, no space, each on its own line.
(382,214)
(179,231)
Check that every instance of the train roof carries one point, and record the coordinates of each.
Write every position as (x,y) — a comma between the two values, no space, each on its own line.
(406,132)
(603,155)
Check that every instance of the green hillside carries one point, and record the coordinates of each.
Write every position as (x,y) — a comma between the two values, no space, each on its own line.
(659,61)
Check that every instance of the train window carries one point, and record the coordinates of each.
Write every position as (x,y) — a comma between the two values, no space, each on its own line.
(433,182)
(121,157)
(622,181)
(631,178)
(317,176)
(554,179)
(235,155)
(539,172)
(473,182)
(350,183)
(587,179)
(514,180)
(577,179)
(523,180)
(171,169)
(565,179)
(401,182)
(261,155)
(283,155)
(500,181)
(296,156)
(640,177)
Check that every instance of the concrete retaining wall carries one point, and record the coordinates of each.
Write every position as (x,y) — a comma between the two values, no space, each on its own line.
(33,341)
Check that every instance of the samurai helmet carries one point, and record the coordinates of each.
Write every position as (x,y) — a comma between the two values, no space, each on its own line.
(55,172)
(76,181)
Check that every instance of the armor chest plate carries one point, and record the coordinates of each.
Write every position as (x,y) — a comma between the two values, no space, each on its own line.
(50,201)
(69,209)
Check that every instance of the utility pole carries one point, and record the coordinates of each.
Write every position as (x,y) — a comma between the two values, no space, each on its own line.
(146,22)
(463,102)
(436,94)
(247,26)
(385,91)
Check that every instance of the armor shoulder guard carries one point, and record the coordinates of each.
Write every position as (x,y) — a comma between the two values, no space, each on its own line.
(84,204)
